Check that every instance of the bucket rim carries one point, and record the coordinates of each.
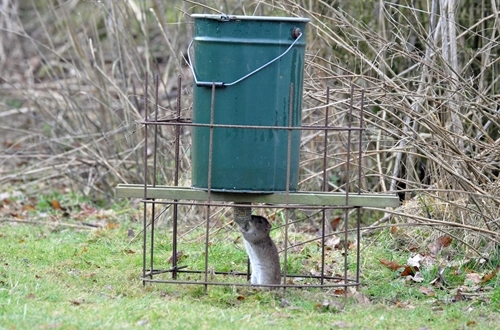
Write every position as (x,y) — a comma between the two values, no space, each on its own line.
(225,18)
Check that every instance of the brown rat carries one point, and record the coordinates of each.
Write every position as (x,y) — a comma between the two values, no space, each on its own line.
(261,250)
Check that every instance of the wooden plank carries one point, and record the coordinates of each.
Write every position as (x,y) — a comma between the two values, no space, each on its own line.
(295,198)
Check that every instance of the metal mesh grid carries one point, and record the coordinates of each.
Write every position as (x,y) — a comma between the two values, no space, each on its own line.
(171,272)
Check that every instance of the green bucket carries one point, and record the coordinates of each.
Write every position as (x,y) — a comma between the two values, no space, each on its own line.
(252,61)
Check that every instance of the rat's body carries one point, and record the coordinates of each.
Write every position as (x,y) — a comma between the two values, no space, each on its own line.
(261,250)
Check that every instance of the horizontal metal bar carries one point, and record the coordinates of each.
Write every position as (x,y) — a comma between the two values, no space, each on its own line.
(182,270)
(295,286)
(294,198)
(171,122)
(245,204)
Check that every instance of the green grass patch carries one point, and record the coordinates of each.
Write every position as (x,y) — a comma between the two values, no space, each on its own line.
(67,278)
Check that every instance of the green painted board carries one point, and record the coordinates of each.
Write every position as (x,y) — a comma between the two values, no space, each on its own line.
(294,198)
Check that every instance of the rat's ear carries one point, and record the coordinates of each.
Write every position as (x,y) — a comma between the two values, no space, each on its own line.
(268,225)
(264,221)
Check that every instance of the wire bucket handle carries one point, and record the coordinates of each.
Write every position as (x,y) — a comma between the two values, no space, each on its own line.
(296,34)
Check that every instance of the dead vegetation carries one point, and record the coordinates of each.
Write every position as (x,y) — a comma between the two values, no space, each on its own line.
(72,77)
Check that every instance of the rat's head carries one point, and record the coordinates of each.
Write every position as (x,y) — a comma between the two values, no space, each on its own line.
(260,223)
(256,229)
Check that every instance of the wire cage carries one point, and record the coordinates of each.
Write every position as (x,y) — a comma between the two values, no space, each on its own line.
(317,231)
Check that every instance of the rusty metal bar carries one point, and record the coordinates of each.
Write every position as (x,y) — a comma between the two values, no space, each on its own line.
(288,171)
(283,206)
(348,179)
(300,276)
(325,183)
(172,122)
(175,215)
(155,145)
(358,210)
(209,181)
(145,216)
(296,286)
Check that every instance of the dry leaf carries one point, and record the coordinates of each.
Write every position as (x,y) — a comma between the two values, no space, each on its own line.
(335,223)
(417,277)
(444,241)
(415,261)
(339,291)
(489,276)
(56,205)
(112,225)
(392,265)
(332,242)
(428,291)
(473,278)
(77,302)
(29,208)
(440,243)
(459,296)
(434,248)
(408,271)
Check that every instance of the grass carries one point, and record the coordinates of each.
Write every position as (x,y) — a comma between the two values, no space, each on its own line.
(52,276)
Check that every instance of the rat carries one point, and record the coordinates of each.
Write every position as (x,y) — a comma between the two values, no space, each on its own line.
(261,250)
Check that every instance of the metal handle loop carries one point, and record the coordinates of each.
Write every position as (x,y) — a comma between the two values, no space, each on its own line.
(223,84)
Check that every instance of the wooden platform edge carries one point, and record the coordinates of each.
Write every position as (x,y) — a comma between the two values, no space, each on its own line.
(295,198)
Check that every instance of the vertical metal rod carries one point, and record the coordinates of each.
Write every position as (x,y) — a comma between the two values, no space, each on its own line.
(209,183)
(348,174)
(325,185)
(153,204)
(360,155)
(145,215)
(176,180)
(288,164)
(242,215)
(157,86)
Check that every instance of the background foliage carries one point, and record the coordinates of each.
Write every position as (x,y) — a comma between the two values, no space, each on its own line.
(72,98)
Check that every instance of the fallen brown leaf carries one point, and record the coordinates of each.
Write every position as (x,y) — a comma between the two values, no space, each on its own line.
(112,225)
(444,241)
(339,291)
(392,265)
(473,278)
(29,208)
(459,296)
(440,243)
(489,276)
(77,302)
(56,205)
(408,271)
(335,223)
